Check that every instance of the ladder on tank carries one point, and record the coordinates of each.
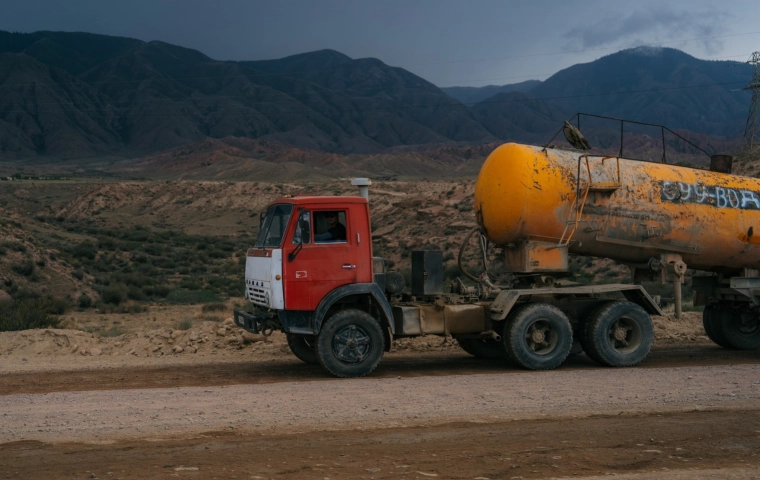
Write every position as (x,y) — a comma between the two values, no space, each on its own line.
(580,202)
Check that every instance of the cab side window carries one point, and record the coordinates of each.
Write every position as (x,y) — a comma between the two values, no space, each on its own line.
(330,226)
(302,233)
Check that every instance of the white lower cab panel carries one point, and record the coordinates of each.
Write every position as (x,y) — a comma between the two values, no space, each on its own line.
(261,284)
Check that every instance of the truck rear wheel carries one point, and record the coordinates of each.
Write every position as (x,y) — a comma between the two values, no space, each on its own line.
(712,320)
(619,334)
(740,327)
(538,336)
(350,344)
(302,347)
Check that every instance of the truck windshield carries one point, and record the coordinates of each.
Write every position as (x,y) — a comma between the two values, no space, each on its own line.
(274,225)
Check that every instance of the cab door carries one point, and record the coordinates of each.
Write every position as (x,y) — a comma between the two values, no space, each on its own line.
(314,265)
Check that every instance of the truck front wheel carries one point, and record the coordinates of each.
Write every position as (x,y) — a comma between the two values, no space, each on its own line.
(302,347)
(350,344)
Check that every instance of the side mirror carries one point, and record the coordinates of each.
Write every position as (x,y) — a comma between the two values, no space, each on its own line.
(262,216)
(305,230)
(303,225)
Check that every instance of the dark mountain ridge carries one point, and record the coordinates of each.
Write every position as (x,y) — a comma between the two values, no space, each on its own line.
(472,95)
(77,95)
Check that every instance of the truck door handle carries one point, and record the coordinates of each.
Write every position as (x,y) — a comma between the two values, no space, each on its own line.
(349,266)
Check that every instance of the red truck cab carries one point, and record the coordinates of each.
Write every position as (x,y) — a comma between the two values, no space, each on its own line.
(312,261)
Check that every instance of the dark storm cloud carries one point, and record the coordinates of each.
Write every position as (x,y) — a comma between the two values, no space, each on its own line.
(651,27)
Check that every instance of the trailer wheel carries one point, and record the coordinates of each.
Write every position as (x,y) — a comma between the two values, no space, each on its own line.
(619,334)
(712,320)
(740,327)
(350,344)
(486,348)
(538,336)
(584,337)
(302,347)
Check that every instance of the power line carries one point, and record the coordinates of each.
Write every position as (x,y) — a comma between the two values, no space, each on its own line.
(750,132)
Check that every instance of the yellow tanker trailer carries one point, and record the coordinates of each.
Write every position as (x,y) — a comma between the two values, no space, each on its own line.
(541,204)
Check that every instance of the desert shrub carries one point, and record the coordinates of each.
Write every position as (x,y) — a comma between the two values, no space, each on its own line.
(114,293)
(191,284)
(85,301)
(137,279)
(85,250)
(163,290)
(226,246)
(215,253)
(131,308)
(27,313)
(15,246)
(106,243)
(155,249)
(25,268)
(214,307)
(135,293)
(185,324)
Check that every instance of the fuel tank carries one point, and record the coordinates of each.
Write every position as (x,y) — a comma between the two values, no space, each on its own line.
(626,210)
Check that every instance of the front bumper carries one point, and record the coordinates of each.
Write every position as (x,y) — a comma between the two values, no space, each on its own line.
(263,323)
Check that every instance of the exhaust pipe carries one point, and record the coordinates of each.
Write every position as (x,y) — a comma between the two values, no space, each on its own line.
(363,184)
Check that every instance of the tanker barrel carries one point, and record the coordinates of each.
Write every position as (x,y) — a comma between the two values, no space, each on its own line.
(721,163)
(537,204)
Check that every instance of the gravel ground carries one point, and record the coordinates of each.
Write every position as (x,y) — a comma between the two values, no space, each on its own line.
(373,403)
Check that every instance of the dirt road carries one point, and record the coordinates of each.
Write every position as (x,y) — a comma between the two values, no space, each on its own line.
(689,412)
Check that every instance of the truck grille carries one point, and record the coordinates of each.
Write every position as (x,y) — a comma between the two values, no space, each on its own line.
(257,292)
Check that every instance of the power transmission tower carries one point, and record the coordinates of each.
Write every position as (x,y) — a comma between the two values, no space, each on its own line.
(750,134)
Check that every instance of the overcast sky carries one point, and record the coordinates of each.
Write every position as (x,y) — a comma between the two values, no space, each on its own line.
(448,42)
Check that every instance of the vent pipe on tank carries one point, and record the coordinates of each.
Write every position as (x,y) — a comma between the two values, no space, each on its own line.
(363,184)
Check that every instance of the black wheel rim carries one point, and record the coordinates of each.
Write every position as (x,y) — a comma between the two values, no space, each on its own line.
(541,337)
(747,323)
(624,335)
(351,344)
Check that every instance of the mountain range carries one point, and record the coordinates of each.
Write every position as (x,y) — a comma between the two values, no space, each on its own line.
(80,95)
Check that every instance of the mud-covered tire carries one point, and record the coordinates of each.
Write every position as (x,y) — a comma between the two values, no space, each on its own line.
(740,327)
(619,334)
(538,336)
(584,338)
(302,347)
(350,344)
(712,321)
(485,348)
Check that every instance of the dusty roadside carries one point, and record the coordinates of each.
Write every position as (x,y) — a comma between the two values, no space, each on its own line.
(237,408)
